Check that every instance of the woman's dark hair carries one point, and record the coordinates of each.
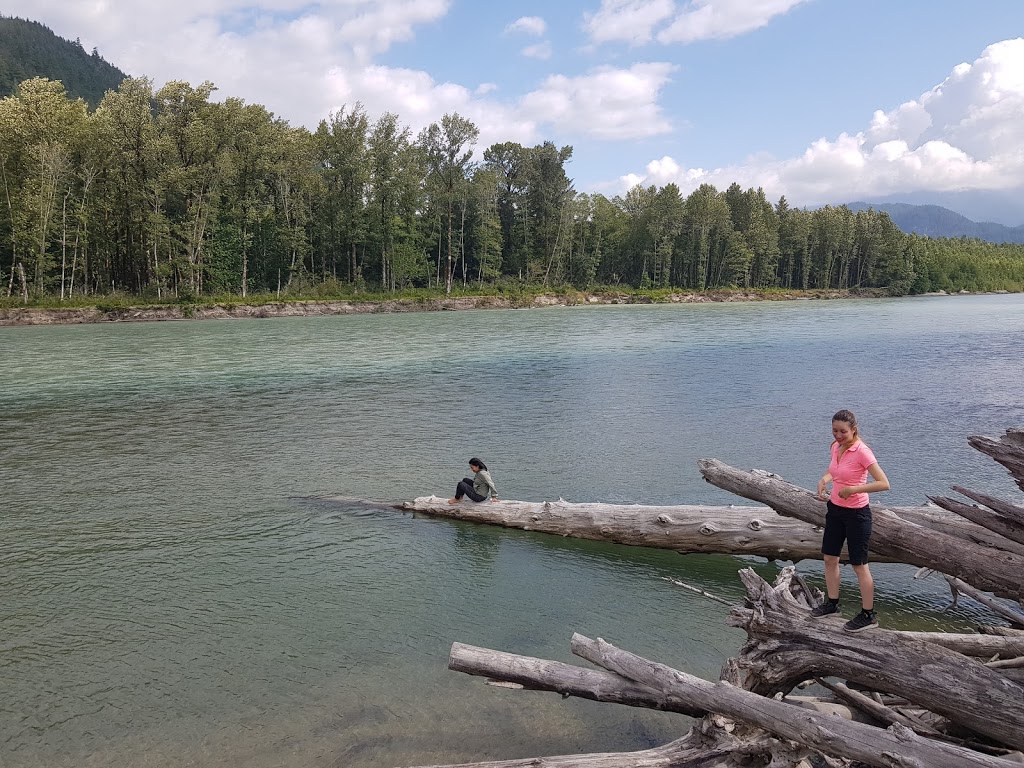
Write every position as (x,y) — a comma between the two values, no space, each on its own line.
(477,463)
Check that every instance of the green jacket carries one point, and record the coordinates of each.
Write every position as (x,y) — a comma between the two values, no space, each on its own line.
(483,484)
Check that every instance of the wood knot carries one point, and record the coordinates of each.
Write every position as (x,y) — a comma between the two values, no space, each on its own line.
(755,524)
(708,529)
(664,519)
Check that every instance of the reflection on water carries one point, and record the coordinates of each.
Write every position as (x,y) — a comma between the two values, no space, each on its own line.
(173,594)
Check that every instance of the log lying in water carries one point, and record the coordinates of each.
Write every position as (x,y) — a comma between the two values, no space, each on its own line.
(687,528)
(945,698)
(790,647)
(1000,571)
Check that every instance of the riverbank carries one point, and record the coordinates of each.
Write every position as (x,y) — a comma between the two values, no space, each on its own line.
(304,308)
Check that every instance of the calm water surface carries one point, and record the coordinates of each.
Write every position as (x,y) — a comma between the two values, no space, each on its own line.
(172,593)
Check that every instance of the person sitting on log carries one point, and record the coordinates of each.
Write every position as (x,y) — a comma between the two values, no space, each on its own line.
(849,517)
(478,487)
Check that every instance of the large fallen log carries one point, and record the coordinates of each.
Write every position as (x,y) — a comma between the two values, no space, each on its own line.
(949,700)
(998,571)
(895,746)
(687,528)
(785,647)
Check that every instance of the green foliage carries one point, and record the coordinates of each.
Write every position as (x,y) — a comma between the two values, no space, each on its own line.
(28,49)
(169,196)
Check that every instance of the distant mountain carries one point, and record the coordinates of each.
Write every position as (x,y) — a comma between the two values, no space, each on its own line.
(1004,206)
(936,221)
(29,49)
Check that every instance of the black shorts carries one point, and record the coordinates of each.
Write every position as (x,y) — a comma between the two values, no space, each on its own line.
(852,525)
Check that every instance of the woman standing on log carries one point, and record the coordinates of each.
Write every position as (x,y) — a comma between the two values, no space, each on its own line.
(849,517)
(478,487)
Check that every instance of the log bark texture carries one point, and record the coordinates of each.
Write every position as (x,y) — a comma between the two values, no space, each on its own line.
(997,571)
(688,528)
(786,647)
(895,746)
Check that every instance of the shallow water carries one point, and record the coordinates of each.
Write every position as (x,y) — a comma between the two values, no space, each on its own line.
(174,594)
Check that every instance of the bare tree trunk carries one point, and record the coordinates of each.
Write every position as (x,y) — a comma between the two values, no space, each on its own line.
(64,242)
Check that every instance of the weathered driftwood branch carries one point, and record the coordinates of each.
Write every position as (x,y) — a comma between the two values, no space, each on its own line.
(1016,618)
(1010,511)
(986,518)
(876,710)
(981,646)
(996,571)
(896,746)
(829,734)
(1007,450)
(566,679)
(732,530)
(786,647)
(692,751)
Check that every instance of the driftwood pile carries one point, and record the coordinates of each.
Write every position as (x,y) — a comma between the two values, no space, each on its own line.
(890,698)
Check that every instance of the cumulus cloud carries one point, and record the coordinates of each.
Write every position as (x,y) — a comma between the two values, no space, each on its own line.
(284,54)
(530,25)
(966,133)
(631,21)
(304,60)
(538,51)
(720,19)
(639,21)
(608,103)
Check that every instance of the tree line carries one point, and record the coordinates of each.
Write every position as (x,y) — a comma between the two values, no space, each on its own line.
(30,49)
(166,194)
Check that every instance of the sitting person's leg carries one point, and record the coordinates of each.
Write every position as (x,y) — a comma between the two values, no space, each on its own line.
(465,488)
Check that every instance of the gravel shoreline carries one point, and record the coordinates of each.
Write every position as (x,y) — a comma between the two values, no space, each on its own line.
(143,313)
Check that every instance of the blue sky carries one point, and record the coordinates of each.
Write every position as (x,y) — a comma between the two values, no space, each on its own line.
(820,100)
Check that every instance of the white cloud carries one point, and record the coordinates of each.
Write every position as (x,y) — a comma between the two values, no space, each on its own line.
(632,21)
(538,51)
(639,21)
(967,133)
(280,53)
(720,19)
(530,25)
(606,104)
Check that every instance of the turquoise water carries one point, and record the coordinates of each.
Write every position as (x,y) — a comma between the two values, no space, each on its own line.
(174,594)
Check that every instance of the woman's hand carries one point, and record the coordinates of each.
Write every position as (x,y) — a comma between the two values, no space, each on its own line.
(823,488)
(847,491)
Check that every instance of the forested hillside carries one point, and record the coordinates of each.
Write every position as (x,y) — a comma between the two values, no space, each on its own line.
(936,221)
(165,194)
(29,49)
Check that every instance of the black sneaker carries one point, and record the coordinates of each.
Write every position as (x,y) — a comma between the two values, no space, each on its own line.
(825,609)
(860,622)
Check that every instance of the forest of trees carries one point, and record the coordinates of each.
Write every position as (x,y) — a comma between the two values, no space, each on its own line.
(30,49)
(166,194)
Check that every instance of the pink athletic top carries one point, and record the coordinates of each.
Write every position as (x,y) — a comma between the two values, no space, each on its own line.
(852,469)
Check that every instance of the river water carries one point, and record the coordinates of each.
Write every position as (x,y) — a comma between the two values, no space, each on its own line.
(173,593)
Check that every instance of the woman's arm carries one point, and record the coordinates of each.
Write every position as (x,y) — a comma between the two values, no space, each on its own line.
(823,485)
(490,484)
(881,483)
